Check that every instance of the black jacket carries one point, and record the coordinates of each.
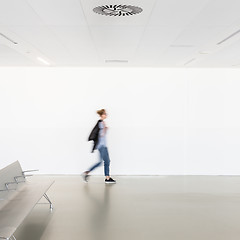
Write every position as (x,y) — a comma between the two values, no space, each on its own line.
(94,135)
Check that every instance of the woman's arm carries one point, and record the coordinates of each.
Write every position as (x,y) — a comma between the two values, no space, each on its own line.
(105,128)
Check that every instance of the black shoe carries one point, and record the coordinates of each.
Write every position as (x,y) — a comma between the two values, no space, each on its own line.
(85,177)
(110,180)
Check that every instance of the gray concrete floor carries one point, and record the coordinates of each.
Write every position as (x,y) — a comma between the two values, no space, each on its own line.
(138,208)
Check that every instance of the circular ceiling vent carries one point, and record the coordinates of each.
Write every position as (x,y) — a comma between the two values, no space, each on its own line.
(117,10)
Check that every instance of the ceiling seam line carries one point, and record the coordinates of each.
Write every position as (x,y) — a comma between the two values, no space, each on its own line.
(144,29)
(47,27)
(90,33)
(185,27)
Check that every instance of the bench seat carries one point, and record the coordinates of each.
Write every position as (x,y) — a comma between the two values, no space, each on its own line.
(16,206)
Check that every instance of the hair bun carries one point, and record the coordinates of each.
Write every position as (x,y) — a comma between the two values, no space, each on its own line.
(101,112)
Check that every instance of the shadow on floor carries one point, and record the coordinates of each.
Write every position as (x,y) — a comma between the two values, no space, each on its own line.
(35,223)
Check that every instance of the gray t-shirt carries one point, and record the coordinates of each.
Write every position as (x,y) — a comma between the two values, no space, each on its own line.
(101,136)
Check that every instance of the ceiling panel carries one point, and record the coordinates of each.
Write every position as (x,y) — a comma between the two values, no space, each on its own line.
(10,57)
(49,46)
(176,55)
(197,36)
(159,36)
(78,42)
(17,13)
(59,12)
(175,12)
(75,38)
(115,43)
(218,13)
(23,45)
(155,40)
(226,57)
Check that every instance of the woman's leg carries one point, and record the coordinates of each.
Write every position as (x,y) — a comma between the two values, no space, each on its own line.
(94,166)
(106,159)
(97,164)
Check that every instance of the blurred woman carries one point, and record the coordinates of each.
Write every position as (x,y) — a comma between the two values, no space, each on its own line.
(98,135)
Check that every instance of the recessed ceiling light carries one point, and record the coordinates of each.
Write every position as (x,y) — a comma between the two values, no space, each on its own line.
(204,52)
(181,46)
(43,61)
(117,10)
(116,61)
(190,61)
(230,36)
(9,39)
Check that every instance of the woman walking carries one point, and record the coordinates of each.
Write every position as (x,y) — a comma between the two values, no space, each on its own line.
(98,135)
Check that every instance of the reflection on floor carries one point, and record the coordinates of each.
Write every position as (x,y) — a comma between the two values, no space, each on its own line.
(138,208)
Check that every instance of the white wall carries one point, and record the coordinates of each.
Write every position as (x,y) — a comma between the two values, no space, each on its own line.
(161,121)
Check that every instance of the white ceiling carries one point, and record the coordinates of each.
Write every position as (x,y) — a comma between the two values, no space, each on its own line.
(168,33)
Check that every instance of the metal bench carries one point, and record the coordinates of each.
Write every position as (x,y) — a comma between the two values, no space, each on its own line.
(18,197)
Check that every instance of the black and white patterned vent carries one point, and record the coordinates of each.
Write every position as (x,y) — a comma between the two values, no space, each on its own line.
(117,10)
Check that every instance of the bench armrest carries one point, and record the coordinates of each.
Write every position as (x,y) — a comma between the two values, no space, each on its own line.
(27,171)
(17,177)
(3,190)
(9,183)
(35,170)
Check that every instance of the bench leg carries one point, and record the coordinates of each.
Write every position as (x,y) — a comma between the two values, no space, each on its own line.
(11,238)
(51,205)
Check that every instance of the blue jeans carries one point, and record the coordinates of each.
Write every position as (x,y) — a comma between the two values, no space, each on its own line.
(104,156)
